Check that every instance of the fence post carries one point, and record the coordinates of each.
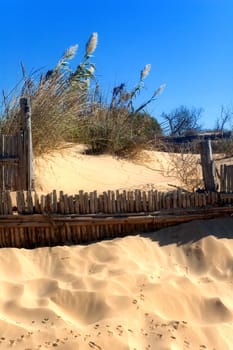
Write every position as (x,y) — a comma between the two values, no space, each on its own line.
(208,166)
(27,133)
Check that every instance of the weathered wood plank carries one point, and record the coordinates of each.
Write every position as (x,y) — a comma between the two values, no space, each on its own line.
(26,110)
(208,166)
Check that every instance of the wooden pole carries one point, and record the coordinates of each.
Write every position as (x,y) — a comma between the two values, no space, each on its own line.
(208,166)
(27,130)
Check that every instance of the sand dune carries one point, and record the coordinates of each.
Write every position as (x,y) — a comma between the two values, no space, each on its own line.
(137,292)
(167,290)
(70,170)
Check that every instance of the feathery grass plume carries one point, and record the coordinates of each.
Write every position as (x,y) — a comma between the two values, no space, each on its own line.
(153,98)
(85,70)
(91,44)
(70,52)
(159,90)
(145,71)
(137,89)
(68,55)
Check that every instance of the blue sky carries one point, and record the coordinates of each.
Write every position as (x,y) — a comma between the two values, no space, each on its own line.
(189,44)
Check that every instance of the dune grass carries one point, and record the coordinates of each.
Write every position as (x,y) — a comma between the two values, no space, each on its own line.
(67,105)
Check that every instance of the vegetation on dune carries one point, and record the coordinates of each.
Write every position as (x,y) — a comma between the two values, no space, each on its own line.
(117,128)
(67,105)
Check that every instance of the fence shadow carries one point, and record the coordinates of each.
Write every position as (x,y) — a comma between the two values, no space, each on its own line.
(192,231)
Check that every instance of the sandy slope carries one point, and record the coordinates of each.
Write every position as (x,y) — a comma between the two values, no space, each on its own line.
(142,292)
(166,290)
(72,171)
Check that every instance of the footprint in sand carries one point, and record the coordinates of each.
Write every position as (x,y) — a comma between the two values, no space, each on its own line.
(176,325)
(86,336)
(11,342)
(94,345)
(119,329)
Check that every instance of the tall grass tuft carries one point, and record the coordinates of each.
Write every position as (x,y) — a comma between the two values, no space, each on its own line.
(58,99)
(119,128)
(66,106)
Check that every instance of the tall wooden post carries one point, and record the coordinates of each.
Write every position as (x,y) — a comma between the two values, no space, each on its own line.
(208,166)
(27,134)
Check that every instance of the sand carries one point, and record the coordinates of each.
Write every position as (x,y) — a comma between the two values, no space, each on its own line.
(170,289)
(70,170)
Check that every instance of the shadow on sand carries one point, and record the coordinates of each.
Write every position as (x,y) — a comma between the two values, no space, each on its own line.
(193,231)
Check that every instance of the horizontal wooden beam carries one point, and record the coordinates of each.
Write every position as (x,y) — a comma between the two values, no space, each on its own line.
(30,231)
(226,195)
(56,221)
(9,160)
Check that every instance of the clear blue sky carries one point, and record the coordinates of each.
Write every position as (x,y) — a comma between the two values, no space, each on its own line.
(189,44)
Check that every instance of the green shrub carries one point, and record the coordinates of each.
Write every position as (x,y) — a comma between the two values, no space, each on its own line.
(118,128)
(115,131)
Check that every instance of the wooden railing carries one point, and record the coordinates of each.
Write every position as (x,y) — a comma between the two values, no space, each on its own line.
(31,220)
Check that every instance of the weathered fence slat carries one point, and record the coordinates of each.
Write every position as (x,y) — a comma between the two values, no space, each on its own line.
(16,160)
(208,166)
(110,202)
(226,178)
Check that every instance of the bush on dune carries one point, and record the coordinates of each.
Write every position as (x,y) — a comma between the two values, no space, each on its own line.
(116,132)
(66,105)
(118,128)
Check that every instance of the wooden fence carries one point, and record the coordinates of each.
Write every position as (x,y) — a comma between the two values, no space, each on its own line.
(37,230)
(12,162)
(29,220)
(16,167)
(226,178)
(109,202)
